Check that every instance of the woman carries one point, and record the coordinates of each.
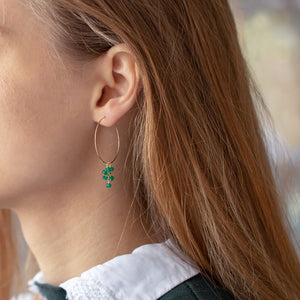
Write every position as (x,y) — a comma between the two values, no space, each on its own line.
(133,156)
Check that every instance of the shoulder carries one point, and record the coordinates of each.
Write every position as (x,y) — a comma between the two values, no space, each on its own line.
(197,288)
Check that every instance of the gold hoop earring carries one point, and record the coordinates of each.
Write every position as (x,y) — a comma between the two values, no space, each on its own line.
(107,171)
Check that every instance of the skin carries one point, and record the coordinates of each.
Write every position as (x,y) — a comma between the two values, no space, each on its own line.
(50,175)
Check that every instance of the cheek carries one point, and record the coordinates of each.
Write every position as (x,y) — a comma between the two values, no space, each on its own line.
(40,129)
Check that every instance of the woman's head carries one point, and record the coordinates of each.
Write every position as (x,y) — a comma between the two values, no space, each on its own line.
(198,168)
(51,103)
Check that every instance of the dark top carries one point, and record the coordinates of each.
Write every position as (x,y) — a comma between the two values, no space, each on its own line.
(197,288)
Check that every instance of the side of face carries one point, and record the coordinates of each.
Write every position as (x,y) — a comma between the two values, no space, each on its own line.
(45,121)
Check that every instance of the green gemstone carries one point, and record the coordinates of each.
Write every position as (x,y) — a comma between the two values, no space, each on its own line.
(107,168)
(104,172)
(111,178)
(105,177)
(112,168)
(108,185)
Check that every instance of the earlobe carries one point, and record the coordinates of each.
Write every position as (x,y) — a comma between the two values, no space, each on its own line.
(119,94)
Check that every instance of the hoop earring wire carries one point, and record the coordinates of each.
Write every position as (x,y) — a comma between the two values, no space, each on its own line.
(107,171)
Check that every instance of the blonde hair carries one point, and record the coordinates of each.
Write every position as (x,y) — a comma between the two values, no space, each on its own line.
(200,172)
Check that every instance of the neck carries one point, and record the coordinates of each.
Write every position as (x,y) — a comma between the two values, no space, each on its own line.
(72,228)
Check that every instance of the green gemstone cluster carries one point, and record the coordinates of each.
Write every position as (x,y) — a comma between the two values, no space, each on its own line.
(107,175)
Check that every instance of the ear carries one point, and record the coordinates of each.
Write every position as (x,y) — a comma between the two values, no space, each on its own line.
(116,85)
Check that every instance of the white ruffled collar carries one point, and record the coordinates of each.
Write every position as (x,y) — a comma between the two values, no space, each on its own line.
(150,271)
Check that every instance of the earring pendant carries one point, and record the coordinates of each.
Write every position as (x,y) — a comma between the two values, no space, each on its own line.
(107,174)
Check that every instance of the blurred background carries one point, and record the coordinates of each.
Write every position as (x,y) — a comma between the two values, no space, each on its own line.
(269,32)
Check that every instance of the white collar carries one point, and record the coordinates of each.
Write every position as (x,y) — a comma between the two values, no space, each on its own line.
(150,271)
